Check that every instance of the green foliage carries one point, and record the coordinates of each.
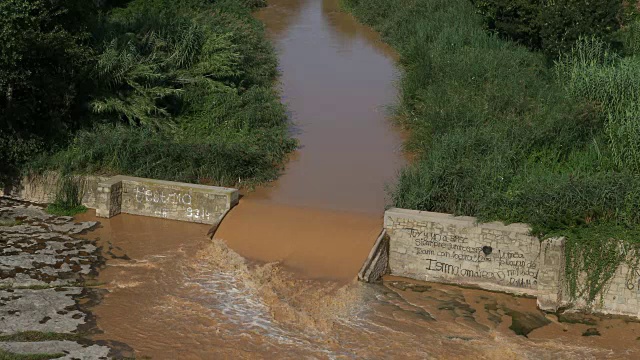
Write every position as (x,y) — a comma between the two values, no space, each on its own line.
(142,77)
(228,160)
(629,36)
(519,20)
(68,201)
(61,210)
(43,55)
(253,4)
(16,148)
(551,26)
(181,91)
(564,21)
(595,253)
(10,222)
(501,136)
(592,73)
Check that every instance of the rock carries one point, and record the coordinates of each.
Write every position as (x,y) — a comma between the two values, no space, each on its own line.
(71,349)
(591,332)
(42,269)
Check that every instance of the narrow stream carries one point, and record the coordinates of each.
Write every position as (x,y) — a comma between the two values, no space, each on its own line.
(337,77)
(322,216)
(278,282)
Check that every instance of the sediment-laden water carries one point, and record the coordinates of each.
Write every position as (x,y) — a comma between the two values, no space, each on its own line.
(175,294)
(278,281)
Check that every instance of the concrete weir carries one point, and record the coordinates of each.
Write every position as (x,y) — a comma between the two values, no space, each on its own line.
(132,195)
(444,248)
(165,199)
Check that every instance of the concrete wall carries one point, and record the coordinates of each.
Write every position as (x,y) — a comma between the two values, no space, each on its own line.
(166,199)
(41,189)
(444,248)
(377,263)
(124,194)
(620,297)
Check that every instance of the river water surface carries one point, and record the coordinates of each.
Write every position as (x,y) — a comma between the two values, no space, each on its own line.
(278,280)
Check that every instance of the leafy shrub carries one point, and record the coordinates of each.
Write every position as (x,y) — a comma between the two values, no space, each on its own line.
(551,26)
(519,20)
(227,160)
(185,92)
(629,36)
(44,56)
(563,22)
(591,72)
(16,149)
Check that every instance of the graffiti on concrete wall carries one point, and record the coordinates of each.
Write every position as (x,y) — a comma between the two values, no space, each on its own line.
(454,255)
(162,200)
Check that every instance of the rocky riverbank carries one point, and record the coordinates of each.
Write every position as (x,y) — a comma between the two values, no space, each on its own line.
(46,286)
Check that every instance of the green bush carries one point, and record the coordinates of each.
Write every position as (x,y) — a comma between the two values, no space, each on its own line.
(184,91)
(552,26)
(6,355)
(227,160)
(592,73)
(629,36)
(519,20)
(44,57)
(16,149)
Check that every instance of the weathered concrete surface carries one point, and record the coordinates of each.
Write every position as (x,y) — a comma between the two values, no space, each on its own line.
(43,270)
(42,189)
(44,310)
(621,296)
(40,250)
(148,197)
(457,249)
(551,280)
(377,263)
(444,248)
(165,199)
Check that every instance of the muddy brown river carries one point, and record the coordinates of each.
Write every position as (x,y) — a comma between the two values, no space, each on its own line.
(278,280)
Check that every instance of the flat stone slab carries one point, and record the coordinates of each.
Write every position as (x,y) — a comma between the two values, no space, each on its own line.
(39,250)
(45,310)
(71,349)
(43,269)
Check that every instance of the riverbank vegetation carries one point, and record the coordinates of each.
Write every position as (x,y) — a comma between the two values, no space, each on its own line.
(180,91)
(523,111)
(68,199)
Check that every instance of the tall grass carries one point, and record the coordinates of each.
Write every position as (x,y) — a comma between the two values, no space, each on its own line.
(502,136)
(592,73)
(232,159)
(69,194)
